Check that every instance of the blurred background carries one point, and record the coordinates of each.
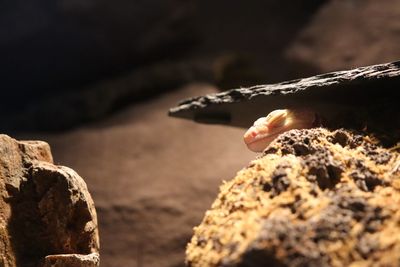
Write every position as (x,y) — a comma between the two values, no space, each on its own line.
(95,79)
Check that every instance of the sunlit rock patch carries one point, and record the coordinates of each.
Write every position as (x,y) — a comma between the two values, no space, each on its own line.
(314,198)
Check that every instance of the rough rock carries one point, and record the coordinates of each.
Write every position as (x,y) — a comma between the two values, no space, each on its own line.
(364,98)
(345,34)
(314,198)
(352,90)
(45,209)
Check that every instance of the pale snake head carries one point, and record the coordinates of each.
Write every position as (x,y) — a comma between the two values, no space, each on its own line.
(266,129)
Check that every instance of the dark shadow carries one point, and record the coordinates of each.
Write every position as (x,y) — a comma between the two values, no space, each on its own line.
(27,232)
(258,258)
(47,72)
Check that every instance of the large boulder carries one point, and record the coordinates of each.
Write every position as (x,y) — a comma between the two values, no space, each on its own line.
(45,209)
(314,198)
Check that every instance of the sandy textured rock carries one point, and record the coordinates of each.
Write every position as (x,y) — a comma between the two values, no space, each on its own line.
(315,198)
(45,209)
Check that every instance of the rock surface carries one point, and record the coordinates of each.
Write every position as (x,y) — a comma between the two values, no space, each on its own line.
(45,209)
(315,198)
(361,88)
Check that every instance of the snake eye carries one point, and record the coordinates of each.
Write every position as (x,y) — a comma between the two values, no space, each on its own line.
(277,118)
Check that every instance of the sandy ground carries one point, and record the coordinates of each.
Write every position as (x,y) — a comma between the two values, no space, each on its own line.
(152,177)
